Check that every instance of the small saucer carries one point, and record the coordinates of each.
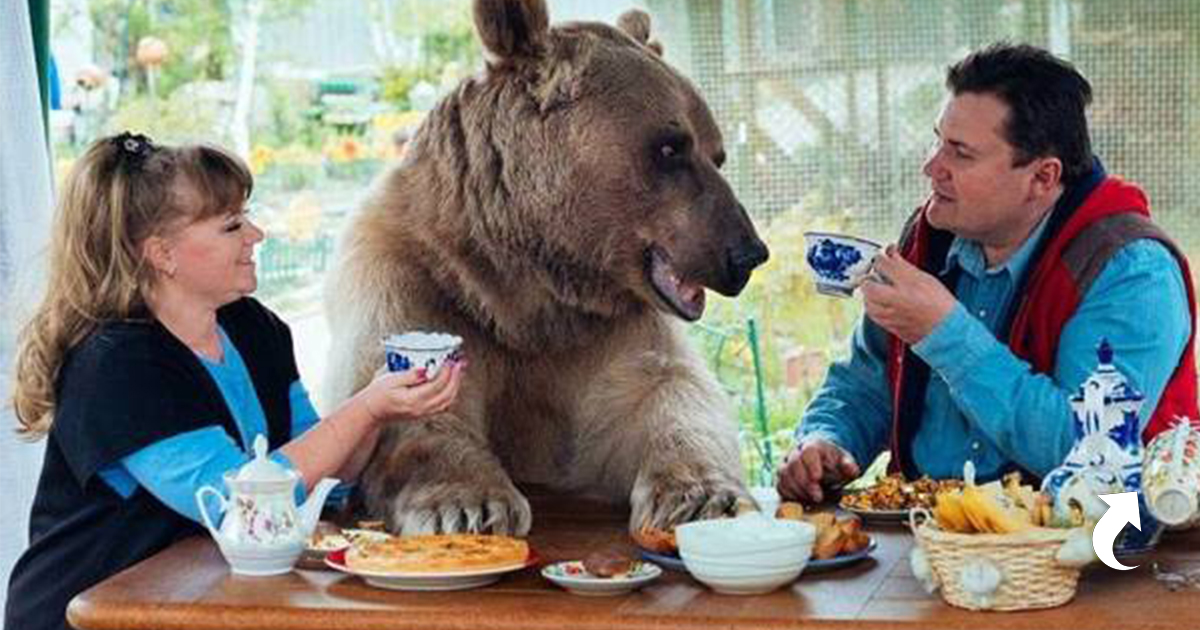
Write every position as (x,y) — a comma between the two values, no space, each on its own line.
(575,579)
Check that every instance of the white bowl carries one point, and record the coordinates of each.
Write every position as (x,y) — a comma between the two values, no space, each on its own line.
(783,559)
(752,533)
(741,582)
(746,555)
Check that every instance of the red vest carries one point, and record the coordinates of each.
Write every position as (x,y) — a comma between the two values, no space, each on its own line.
(1114,213)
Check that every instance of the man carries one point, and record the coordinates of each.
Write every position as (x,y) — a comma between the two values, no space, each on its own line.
(987,316)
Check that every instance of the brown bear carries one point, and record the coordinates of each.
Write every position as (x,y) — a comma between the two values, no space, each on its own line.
(562,212)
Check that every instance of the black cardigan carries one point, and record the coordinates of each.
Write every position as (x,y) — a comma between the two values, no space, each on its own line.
(128,385)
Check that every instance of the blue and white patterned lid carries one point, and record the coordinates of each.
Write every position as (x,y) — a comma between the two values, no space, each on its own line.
(1106,376)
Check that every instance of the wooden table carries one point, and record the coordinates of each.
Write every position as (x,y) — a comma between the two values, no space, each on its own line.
(188,587)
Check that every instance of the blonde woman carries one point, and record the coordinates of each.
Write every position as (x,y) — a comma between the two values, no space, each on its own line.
(150,371)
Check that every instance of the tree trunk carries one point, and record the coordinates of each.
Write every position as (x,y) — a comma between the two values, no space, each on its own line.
(245,34)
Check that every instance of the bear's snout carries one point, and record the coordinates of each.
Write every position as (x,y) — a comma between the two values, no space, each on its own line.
(743,258)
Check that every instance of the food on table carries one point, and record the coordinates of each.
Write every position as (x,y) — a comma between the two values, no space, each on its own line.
(328,542)
(608,563)
(436,553)
(790,510)
(835,536)
(327,537)
(893,492)
(656,540)
(998,507)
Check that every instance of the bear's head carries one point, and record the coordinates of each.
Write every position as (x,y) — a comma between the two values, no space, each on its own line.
(589,167)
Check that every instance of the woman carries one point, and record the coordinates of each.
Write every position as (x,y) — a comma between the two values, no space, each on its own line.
(150,371)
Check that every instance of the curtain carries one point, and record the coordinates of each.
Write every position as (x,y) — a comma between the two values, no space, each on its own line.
(25,210)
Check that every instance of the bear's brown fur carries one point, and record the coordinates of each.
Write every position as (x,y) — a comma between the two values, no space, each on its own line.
(561,212)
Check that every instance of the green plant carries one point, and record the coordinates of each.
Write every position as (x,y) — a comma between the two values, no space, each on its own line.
(176,119)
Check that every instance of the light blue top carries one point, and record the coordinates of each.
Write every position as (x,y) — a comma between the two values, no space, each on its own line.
(174,468)
(985,404)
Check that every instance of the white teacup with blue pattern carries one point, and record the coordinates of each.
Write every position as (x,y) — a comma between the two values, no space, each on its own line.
(421,350)
(838,261)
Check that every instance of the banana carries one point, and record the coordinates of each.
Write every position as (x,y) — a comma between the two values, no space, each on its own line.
(950,514)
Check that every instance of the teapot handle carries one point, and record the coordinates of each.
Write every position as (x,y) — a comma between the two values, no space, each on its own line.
(204,509)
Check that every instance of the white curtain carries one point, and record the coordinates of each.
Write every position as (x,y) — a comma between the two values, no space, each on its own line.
(25,210)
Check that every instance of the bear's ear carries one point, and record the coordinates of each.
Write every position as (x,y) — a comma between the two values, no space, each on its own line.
(512,28)
(636,24)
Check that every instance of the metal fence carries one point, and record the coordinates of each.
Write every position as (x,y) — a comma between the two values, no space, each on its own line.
(827,106)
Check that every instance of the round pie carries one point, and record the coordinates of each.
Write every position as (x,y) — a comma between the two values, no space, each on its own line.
(437,553)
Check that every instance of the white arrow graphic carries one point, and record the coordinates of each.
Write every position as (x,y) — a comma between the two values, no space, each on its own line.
(1122,508)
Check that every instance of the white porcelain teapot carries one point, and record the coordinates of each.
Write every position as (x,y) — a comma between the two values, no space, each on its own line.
(263,532)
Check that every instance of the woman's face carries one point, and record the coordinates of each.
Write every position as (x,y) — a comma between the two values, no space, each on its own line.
(214,258)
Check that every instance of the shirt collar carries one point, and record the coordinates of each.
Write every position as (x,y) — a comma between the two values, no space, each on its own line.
(968,255)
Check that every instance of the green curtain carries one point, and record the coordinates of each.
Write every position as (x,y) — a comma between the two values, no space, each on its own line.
(39,17)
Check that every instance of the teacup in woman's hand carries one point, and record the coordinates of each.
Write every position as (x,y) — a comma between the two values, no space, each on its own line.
(839,262)
(421,350)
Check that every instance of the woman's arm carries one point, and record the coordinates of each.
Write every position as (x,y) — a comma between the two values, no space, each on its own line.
(341,443)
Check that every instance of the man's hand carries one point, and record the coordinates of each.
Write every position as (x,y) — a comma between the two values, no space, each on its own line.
(904,300)
(811,464)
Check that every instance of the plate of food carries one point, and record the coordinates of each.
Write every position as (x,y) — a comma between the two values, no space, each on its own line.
(892,497)
(840,540)
(435,562)
(328,538)
(842,558)
(602,573)
(659,546)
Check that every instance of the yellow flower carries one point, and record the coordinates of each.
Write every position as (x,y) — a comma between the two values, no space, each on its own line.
(260,158)
(345,149)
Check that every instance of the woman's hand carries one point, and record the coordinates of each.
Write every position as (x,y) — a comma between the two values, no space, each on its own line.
(410,395)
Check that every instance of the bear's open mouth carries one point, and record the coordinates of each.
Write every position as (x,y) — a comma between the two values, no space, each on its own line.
(684,297)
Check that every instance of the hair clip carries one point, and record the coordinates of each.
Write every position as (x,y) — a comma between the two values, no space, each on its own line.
(134,146)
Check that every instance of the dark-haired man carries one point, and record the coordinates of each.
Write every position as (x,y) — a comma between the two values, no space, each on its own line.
(982,321)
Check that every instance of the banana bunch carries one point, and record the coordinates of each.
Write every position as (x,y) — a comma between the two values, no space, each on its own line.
(999,507)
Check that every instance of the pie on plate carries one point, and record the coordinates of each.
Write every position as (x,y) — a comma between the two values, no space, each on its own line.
(436,554)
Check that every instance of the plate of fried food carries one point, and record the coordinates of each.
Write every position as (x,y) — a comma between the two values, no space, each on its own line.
(840,539)
(433,562)
(891,498)
(602,573)
(659,546)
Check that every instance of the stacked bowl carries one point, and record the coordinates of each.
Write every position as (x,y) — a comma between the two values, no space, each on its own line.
(747,555)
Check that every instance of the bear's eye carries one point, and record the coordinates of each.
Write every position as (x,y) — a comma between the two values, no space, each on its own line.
(670,151)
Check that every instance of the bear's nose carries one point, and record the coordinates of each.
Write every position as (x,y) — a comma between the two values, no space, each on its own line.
(748,255)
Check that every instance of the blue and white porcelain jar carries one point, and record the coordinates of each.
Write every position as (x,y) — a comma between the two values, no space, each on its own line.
(1107,456)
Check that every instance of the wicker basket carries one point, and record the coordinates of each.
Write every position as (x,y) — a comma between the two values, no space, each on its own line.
(1020,571)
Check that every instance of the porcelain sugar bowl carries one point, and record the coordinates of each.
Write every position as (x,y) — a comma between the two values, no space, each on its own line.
(262,530)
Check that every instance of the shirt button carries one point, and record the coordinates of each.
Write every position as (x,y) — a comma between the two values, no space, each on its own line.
(975,446)
(983,312)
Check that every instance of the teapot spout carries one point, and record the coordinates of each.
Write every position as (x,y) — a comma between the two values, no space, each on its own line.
(310,512)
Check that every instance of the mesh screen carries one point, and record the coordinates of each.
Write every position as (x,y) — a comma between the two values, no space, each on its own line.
(828,105)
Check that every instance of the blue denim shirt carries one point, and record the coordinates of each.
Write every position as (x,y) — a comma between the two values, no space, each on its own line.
(985,404)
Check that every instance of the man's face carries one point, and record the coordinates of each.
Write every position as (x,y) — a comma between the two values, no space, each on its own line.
(977,193)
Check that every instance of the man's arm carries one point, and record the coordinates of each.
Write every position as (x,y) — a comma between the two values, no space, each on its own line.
(1138,303)
(853,408)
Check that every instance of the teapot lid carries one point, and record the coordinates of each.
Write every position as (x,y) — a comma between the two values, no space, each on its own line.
(1108,379)
(262,468)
